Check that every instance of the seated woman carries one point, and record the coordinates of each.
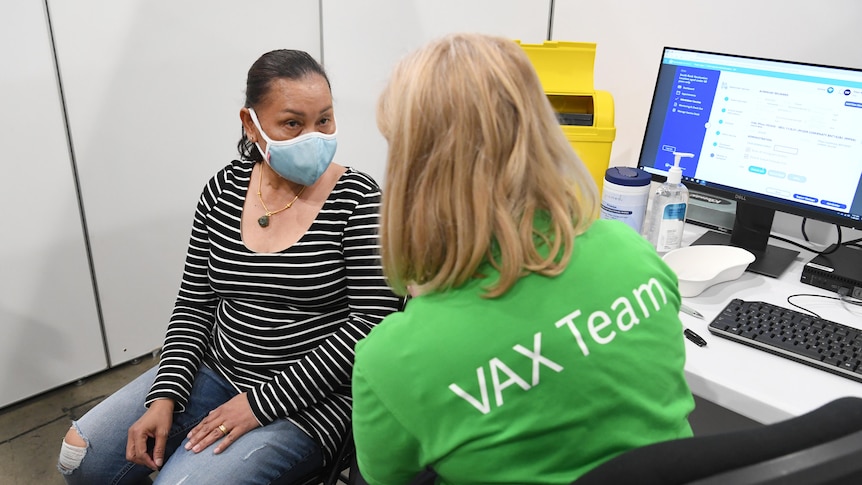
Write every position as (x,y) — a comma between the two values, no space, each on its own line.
(282,278)
(540,341)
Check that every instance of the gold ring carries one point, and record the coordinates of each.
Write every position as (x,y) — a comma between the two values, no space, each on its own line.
(222,429)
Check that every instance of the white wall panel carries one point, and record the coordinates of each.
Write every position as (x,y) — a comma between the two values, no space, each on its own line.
(49,327)
(364,40)
(153,90)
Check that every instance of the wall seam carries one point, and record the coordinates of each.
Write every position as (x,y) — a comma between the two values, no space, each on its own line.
(77,181)
(320,19)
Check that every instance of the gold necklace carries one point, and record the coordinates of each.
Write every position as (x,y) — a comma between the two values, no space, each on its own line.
(263,220)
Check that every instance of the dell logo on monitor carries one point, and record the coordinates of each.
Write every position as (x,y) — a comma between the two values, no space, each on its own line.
(739,197)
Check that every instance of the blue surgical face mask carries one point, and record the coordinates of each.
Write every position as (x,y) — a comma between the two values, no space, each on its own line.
(302,159)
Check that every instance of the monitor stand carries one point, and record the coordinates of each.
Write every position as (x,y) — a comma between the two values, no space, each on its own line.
(751,229)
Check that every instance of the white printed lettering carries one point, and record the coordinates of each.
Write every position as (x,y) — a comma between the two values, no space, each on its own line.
(649,296)
(594,328)
(484,407)
(569,320)
(648,288)
(497,364)
(628,310)
(537,358)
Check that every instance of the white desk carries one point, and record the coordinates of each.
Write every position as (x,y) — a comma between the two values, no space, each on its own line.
(751,382)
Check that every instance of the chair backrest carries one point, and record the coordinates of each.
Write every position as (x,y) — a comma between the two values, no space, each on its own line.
(822,446)
(836,461)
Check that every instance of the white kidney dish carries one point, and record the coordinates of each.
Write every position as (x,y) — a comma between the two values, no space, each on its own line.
(699,267)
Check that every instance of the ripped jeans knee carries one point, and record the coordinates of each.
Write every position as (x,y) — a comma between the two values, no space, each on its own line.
(72,454)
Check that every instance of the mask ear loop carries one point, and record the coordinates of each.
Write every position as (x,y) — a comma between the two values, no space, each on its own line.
(264,153)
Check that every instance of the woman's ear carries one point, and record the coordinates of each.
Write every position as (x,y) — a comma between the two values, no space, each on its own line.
(248,125)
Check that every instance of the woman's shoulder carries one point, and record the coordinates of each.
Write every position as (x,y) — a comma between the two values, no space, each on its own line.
(227,173)
(361,182)
(238,169)
(376,350)
(231,179)
(612,247)
(423,319)
(603,232)
(615,244)
(230,173)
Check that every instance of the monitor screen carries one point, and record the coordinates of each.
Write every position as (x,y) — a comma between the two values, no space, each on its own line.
(774,135)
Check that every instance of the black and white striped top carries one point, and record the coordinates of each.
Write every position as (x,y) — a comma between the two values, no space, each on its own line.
(279,326)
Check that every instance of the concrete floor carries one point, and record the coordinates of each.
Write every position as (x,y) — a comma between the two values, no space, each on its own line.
(32,430)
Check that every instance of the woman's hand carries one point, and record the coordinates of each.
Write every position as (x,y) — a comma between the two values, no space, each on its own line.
(155,423)
(228,421)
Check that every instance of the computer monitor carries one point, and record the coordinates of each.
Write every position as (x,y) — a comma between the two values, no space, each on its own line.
(773,135)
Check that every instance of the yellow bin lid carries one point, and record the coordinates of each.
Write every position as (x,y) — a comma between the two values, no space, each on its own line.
(563,67)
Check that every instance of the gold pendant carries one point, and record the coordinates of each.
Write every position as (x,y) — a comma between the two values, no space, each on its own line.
(263,220)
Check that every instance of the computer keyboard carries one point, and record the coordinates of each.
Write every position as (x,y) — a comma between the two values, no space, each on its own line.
(820,343)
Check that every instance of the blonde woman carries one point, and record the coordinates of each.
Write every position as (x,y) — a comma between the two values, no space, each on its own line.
(541,342)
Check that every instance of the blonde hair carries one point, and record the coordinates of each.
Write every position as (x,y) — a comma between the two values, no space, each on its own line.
(475,150)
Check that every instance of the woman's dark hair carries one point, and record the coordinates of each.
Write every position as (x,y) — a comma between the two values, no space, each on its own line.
(278,64)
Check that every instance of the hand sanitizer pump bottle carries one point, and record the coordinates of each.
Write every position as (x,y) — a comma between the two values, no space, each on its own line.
(667,215)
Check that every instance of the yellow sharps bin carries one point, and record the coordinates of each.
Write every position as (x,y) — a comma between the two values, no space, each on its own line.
(586,115)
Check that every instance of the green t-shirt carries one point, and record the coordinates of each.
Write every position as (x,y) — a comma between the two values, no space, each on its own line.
(538,386)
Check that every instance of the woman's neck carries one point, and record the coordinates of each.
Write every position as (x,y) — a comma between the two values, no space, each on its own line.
(276,183)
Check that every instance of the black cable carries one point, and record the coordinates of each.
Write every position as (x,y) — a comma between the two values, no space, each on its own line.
(831,250)
(844,293)
(853,242)
(816,296)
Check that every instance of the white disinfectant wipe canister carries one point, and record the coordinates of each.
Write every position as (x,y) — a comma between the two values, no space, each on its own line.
(625,195)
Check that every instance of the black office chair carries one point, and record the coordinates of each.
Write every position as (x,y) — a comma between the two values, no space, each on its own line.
(823,446)
(336,470)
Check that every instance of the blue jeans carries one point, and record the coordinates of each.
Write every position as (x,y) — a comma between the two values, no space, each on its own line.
(278,451)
